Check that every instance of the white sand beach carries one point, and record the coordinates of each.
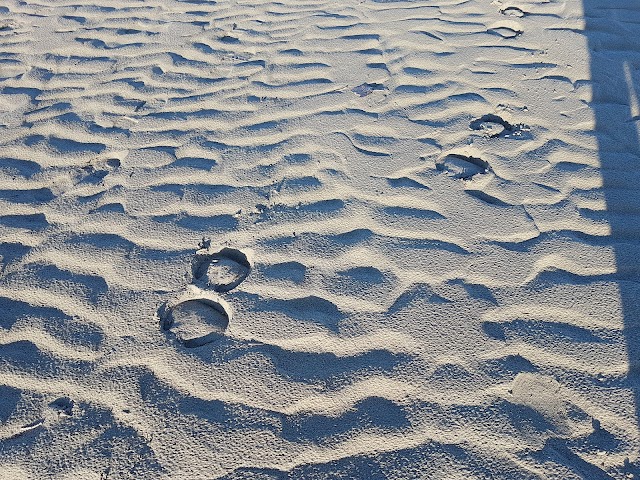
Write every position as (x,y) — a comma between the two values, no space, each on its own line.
(319,239)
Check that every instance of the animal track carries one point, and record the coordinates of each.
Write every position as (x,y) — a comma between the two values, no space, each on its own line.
(195,320)
(513,12)
(493,126)
(462,166)
(223,270)
(506,29)
(5,27)
(367,88)
(64,406)
(198,318)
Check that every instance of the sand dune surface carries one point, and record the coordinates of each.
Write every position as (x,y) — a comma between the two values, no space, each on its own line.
(319,239)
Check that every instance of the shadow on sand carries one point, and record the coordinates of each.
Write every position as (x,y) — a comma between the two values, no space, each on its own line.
(613,36)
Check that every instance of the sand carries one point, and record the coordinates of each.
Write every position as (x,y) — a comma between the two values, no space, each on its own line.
(319,239)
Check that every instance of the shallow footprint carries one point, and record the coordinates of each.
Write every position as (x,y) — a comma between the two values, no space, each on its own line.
(223,270)
(195,321)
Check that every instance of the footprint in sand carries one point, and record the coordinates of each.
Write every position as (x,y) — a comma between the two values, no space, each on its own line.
(462,166)
(513,12)
(199,317)
(506,29)
(9,25)
(63,406)
(493,126)
(221,271)
(194,319)
(367,88)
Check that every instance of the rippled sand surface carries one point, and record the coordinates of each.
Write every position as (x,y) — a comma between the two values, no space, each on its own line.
(313,240)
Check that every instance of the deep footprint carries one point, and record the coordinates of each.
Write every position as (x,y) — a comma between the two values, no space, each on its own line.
(462,166)
(222,271)
(195,322)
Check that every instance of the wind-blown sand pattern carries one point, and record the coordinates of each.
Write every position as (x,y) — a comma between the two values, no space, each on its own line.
(315,239)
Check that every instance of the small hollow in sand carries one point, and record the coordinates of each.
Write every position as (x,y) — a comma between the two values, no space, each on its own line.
(222,271)
(196,322)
